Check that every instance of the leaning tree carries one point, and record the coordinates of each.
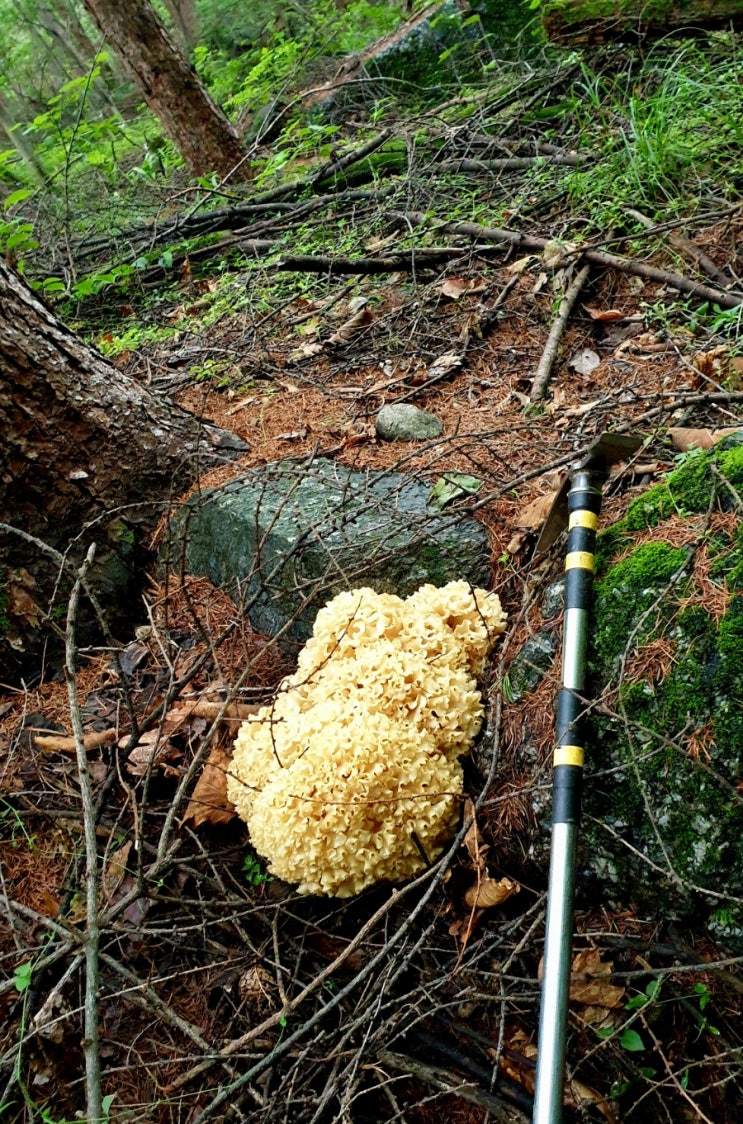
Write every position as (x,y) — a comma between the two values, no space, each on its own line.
(88,455)
(170,86)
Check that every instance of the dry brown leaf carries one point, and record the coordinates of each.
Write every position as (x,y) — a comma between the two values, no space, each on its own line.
(557,402)
(555,252)
(351,327)
(584,361)
(649,468)
(521,264)
(539,284)
(473,841)
(605,315)
(249,401)
(685,439)
(209,803)
(151,753)
(579,411)
(490,892)
(455,287)
(115,870)
(600,1017)
(305,351)
(590,980)
(516,542)
(295,435)
(20,601)
(581,1095)
(374,245)
(712,364)
(534,514)
(449,361)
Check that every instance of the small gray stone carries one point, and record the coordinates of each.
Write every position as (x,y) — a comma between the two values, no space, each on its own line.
(403,422)
(531,664)
(553,601)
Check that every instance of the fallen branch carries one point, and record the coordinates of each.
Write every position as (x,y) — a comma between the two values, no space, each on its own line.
(334,167)
(59,743)
(547,361)
(409,259)
(448,1082)
(510,163)
(684,246)
(597,257)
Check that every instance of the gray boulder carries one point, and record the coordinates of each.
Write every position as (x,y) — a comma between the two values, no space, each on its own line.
(286,537)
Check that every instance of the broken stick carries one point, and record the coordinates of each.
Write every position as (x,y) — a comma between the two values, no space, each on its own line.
(547,361)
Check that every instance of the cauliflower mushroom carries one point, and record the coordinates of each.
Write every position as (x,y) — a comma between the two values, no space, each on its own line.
(351,776)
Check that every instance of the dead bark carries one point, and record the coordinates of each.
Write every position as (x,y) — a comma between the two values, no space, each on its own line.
(87,455)
(601,21)
(171,87)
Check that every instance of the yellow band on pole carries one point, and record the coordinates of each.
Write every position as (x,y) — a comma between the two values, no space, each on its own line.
(587,519)
(579,560)
(568,755)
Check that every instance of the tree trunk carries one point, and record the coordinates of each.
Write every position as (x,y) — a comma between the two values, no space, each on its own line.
(17,138)
(170,86)
(185,22)
(599,21)
(81,443)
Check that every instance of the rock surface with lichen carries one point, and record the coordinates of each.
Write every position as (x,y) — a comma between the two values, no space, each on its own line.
(663,807)
(285,537)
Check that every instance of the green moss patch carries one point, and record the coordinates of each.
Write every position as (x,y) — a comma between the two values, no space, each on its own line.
(666,769)
(688,489)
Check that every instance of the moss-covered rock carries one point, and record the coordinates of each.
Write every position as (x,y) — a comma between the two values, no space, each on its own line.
(664,776)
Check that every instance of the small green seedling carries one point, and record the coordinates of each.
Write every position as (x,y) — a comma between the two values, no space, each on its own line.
(702,991)
(637,1001)
(22,976)
(253,872)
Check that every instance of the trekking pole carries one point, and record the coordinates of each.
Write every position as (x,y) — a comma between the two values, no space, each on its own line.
(582,491)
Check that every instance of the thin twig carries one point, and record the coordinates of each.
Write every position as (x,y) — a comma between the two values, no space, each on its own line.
(92,932)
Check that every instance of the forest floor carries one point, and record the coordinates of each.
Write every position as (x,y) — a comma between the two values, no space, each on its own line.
(223,994)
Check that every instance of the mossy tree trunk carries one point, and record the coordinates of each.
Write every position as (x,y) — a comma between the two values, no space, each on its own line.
(81,443)
(583,21)
(170,86)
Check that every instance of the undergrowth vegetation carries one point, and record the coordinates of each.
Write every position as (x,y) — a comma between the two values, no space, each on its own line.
(659,133)
(401,237)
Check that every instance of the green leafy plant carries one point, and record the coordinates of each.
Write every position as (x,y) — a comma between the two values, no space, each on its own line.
(22,976)
(18,831)
(254,873)
(704,996)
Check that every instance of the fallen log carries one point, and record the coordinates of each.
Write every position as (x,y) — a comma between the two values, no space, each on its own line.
(602,21)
